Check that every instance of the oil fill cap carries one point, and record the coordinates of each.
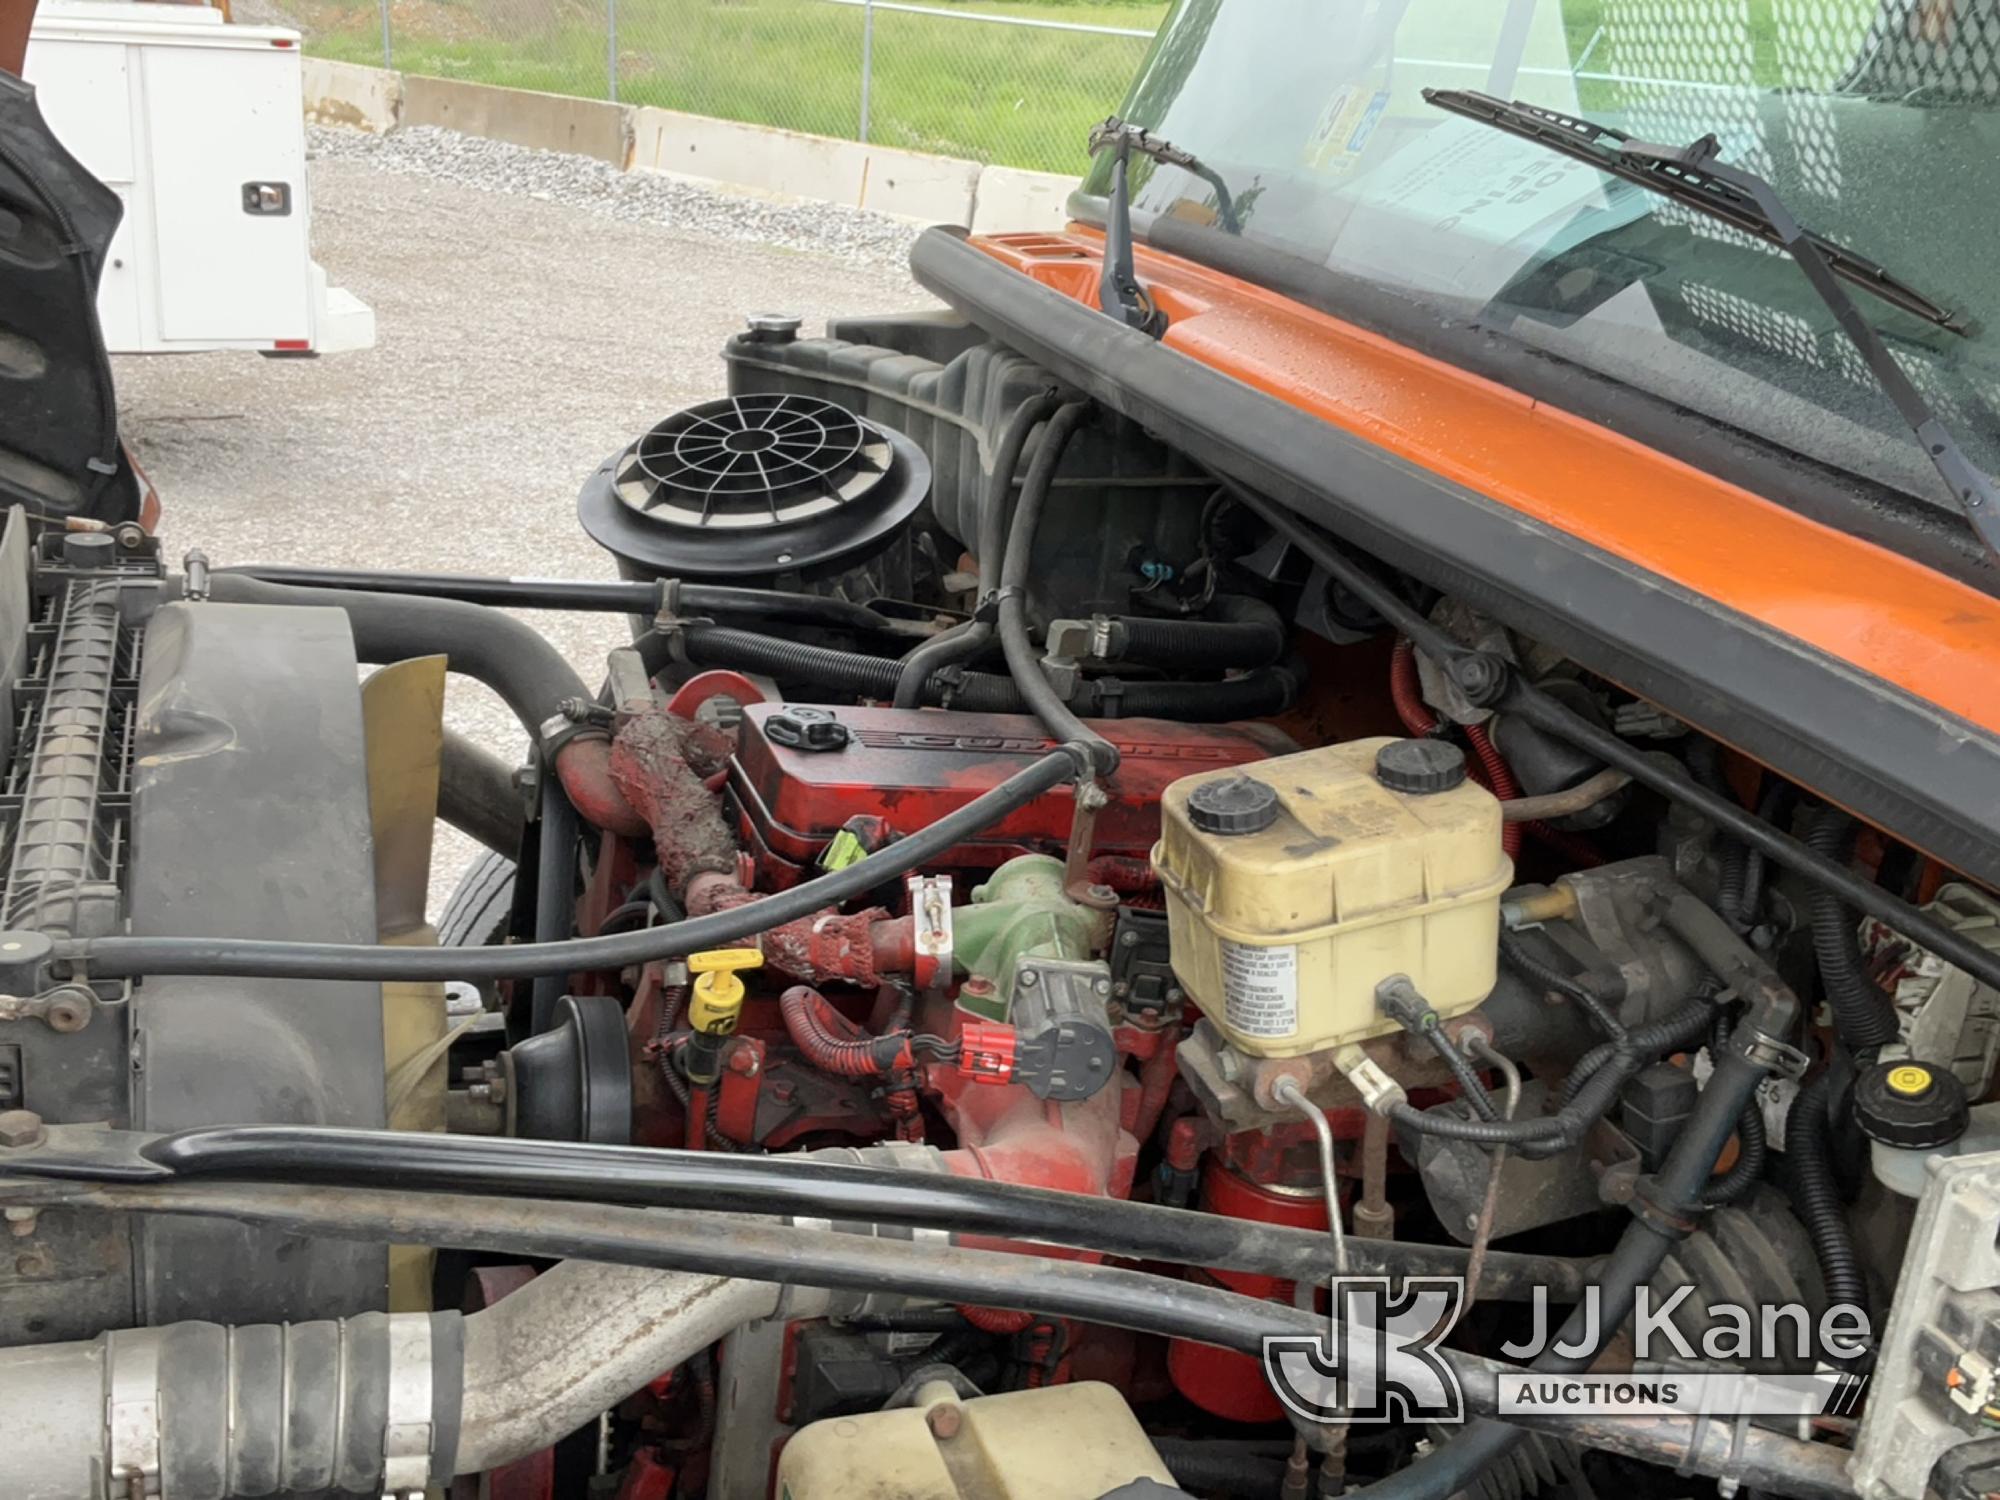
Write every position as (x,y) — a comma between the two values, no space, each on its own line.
(1910,1105)
(1240,804)
(1420,767)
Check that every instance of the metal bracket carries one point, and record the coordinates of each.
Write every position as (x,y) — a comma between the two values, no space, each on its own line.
(930,920)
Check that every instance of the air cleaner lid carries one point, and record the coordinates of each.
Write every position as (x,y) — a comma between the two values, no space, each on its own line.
(753,485)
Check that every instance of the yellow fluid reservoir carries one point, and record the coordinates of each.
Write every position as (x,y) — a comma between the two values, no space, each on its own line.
(1295,886)
(1059,1442)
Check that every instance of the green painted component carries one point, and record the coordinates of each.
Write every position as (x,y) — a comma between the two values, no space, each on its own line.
(1020,912)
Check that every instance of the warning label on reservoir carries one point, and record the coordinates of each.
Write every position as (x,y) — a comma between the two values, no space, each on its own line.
(1260,988)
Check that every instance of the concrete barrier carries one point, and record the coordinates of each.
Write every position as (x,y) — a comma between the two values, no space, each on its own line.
(1011,198)
(547,122)
(936,189)
(756,158)
(339,93)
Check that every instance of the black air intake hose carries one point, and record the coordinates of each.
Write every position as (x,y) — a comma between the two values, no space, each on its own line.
(1816,1197)
(1863,1016)
(1238,632)
(1269,690)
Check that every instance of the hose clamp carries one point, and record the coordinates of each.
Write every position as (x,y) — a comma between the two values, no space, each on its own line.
(132,1412)
(407,1431)
(1671,1221)
(1779,1058)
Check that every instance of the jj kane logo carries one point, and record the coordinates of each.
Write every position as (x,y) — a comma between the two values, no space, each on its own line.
(1381,1358)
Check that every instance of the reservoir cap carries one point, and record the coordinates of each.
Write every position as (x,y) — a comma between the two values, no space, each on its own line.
(1910,1104)
(1420,767)
(1241,804)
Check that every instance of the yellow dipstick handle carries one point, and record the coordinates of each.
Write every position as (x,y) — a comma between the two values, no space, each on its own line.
(718,993)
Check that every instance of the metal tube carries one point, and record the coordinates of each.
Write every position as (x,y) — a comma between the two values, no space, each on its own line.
(579,1339)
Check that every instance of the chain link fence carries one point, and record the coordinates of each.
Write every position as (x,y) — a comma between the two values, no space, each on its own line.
(1013,82)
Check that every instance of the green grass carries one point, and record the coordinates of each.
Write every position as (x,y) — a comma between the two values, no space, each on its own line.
(1005,94)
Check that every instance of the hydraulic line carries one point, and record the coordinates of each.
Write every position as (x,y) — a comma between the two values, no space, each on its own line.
(841,1185)
(280,960)
(577,595)
(1044,702)
(963,645)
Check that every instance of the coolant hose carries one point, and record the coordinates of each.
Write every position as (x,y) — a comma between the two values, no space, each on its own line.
(1816,1196)
(1043,701)
(1237,631)
(962,645)
(1646,1243)
(1863,1017)
(258,958)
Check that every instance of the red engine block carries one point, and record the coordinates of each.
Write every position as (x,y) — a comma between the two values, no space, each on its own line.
(908,768)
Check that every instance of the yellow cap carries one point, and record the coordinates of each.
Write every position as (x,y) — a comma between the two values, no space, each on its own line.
(1911,1080)
(718,993)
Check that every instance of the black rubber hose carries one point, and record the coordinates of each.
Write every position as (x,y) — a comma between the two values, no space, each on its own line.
(1237,632)
(1752,1145)
(1268,690)
(1044,702)
(116,956)
(512,658)
(987,546)
(580,595)
(1640,1252)
(1221,1471)
(842,1185)
(1815,1195)
(1863,1016)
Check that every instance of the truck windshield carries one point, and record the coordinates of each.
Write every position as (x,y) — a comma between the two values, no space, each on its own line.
(1877,121)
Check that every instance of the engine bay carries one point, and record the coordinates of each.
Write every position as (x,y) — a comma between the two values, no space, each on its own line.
(1022,913)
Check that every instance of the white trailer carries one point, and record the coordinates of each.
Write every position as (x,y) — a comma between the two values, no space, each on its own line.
(199,126)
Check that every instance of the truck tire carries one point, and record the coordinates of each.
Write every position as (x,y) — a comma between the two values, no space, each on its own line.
(476,915)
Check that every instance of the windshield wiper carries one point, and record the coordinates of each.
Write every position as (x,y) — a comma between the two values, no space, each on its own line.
(1694,175)
(1120,293)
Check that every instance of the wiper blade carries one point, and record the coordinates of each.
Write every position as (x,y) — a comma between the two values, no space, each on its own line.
(1693,175)
(1689,175)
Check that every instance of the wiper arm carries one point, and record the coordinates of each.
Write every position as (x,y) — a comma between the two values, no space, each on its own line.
(1119,293)
(1693,175)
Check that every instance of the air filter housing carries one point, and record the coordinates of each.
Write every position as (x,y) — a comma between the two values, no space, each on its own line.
(754,487)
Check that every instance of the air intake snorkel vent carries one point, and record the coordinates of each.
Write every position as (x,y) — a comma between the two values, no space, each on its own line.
(756,485)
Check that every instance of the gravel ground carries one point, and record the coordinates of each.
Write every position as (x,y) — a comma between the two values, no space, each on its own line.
(534,312)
